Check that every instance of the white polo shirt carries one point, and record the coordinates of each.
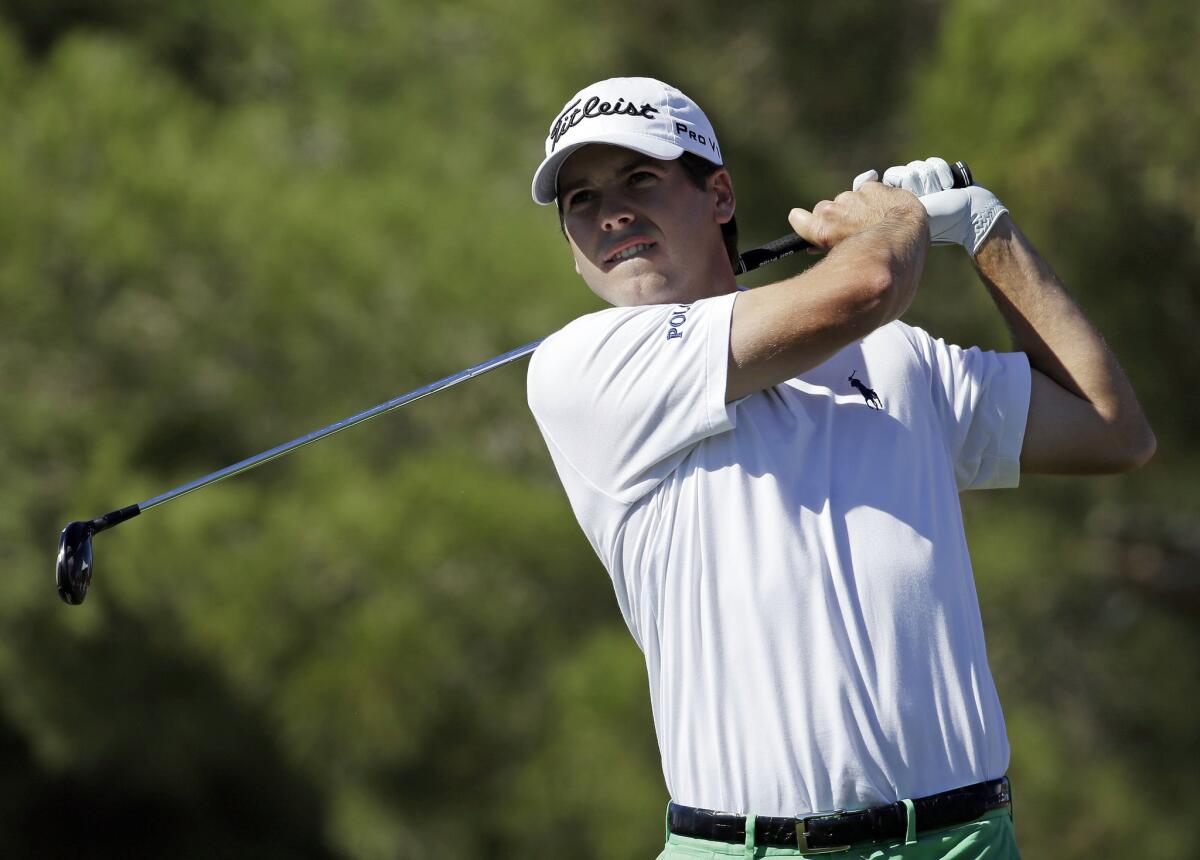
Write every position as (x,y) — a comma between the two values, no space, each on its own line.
(792,565)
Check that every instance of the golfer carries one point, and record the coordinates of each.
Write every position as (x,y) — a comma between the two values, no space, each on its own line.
(771,479)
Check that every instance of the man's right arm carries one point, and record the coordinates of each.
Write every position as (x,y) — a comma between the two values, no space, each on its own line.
(877,238)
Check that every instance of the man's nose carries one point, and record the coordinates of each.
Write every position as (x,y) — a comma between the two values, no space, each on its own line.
(615,215)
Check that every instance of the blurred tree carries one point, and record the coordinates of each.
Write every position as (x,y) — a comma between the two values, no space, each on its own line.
(229,223)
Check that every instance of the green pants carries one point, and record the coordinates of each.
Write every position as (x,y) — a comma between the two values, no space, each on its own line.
(989,837)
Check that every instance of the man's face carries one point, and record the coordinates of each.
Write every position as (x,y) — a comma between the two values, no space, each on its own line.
(640,230)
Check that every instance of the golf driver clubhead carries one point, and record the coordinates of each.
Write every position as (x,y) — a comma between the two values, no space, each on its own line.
(73,570)
(74,567)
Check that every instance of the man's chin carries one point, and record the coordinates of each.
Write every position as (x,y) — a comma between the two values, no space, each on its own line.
(648,287)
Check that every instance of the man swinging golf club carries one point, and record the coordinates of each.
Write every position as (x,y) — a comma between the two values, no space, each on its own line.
(771,479)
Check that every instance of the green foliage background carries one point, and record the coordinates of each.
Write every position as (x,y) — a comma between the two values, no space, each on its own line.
(224,224)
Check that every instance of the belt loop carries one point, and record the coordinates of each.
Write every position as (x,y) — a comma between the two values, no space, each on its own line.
(750,819)
(910,837)
(667,823)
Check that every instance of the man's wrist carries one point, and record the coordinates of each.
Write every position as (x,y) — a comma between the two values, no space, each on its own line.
(911,213)
(997,244)
(986,212)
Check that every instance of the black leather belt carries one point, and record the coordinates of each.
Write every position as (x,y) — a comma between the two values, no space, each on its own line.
(837,831)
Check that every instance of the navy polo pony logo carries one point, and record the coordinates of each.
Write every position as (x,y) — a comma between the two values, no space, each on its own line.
(868,394)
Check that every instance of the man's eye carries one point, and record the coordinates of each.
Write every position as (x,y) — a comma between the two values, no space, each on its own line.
(640,176)
(579,197)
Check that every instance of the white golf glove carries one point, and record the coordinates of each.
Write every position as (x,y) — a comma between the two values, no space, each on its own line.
(957,216)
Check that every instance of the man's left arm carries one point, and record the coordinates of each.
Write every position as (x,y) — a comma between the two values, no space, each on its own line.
(1084,417)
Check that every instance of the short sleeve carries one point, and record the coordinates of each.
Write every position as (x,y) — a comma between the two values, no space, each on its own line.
(981,402)
(625,393)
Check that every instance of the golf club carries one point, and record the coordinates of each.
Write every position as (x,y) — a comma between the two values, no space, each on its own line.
(74,566)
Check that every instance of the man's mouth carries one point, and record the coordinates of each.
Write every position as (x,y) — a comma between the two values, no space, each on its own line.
(629,249)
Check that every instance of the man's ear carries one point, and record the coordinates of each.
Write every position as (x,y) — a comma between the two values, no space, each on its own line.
(720,185)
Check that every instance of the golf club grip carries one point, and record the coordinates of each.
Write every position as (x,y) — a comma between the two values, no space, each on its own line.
(791,243)
(774,250)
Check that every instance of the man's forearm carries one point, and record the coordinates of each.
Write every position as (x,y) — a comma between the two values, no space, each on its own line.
(1051,329)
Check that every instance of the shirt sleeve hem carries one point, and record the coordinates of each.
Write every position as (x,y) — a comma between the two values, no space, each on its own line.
(1014,441)
(1005,466)
(722,416)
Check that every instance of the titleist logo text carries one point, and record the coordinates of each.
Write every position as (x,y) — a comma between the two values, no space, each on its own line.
(593,108)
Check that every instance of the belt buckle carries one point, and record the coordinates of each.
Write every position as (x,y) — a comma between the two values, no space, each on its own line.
(802,835)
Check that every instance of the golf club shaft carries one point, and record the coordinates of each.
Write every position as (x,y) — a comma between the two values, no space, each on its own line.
(394,403)
(747,262)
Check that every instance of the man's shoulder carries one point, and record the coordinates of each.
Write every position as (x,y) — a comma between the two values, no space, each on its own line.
(588,324)
(621,348)
(899,329)
(562,347)
(897,335)
(560,355)
(583,336)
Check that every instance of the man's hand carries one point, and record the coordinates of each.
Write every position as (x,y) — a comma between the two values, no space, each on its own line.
(957,216)
(832,221)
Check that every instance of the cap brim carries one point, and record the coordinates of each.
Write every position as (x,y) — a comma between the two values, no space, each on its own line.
(545,178)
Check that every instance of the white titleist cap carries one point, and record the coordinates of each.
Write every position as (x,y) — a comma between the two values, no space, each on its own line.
(642,114)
